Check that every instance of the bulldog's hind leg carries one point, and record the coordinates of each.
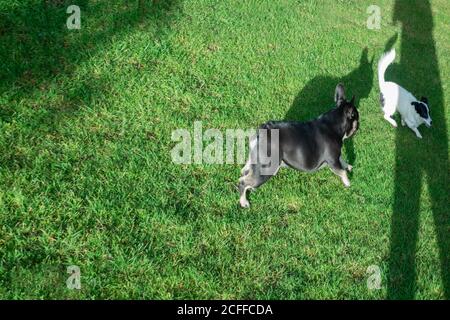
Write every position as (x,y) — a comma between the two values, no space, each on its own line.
(252,180)
(263,163)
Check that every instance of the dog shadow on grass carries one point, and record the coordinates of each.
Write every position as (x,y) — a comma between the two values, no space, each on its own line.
(418,161)
(317,96)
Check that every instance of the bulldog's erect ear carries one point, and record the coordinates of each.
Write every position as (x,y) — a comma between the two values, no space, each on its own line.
(339,94)
(352,102)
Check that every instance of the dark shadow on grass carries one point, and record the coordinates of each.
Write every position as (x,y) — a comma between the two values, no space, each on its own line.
(35,44)
(38,50)
(317,96)
(418,71)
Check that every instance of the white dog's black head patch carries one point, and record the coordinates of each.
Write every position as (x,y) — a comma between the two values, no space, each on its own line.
(423,110)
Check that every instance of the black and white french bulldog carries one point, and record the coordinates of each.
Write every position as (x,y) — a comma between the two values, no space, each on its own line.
(306,146)
(394,98)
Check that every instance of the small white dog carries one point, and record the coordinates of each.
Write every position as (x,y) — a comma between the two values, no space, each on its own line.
(395,98)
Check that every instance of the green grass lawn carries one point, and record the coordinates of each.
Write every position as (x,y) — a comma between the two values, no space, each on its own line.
(87,179)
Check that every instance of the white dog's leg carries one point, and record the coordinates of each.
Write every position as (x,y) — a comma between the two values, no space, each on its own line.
(418,135)
(403,122)
(390,120)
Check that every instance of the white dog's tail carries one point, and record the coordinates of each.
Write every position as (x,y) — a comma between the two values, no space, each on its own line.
(383,64)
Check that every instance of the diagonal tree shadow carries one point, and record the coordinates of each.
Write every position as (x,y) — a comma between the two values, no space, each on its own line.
(418,71)
(317,95)
(35,44)
(37,49)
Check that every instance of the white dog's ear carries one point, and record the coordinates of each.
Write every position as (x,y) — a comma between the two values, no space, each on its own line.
(339,94)
(417,107)
(424,99)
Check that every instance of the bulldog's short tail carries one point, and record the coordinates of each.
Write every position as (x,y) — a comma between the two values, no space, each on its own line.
(383,64)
